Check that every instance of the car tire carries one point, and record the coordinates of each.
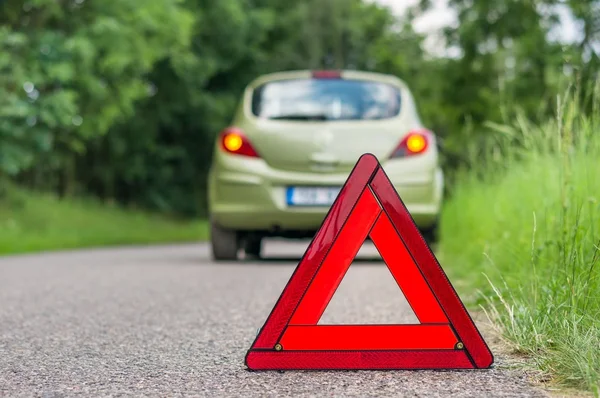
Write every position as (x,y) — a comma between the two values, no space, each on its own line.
(431,234)
(224,243)
(253,247)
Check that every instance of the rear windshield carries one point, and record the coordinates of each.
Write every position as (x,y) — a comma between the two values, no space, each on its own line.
(325,99)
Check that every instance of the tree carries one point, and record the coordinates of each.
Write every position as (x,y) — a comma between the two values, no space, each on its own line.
(71,71)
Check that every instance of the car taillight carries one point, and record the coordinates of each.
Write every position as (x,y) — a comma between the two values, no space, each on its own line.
(416,142)
(235,142)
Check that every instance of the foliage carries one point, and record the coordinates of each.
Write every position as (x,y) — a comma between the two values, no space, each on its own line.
(70,73)
(529,224)
(160,158)
(122,100)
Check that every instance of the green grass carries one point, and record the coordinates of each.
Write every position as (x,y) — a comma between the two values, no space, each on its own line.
(525,231)
(35,222)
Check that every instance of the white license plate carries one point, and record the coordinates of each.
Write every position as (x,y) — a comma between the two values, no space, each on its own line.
(312,196)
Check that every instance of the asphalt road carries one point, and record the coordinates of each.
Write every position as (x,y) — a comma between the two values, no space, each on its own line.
(165,321)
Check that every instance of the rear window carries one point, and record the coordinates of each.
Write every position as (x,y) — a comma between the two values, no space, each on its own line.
(325,99)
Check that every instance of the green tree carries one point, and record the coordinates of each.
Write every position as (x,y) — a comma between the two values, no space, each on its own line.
(70,72)
(160,157)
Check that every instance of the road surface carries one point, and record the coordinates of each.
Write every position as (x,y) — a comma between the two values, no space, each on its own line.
(166,321)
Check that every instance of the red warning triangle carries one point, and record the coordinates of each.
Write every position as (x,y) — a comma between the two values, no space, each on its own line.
(369,206)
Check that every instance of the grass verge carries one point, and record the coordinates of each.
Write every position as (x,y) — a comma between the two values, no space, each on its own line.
(35,222)
(525,231)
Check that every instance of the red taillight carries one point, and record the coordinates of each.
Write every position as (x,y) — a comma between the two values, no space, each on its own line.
(235,142)
(326,74)
(416,142)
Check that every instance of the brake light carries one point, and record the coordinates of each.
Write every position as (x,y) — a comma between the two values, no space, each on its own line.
(326,74)
(235,142)
(416,142)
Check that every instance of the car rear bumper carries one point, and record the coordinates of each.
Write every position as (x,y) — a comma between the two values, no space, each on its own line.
(256,199)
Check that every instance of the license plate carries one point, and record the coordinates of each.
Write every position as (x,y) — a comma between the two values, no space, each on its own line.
(312,196)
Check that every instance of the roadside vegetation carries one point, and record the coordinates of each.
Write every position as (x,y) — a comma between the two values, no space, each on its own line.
(31,222)
(525,229)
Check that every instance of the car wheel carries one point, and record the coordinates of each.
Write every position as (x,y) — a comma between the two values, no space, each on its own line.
(431,234)
(224,243)
(253,246)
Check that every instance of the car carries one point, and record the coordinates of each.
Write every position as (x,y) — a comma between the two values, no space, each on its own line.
(293,141)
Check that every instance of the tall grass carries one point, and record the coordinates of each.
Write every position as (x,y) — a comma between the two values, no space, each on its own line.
(525,228)
(32,222)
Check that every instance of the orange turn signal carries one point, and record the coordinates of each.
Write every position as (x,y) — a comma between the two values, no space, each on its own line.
(233,142)
(416,143)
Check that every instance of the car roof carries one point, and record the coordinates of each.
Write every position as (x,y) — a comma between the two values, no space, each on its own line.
(345,73)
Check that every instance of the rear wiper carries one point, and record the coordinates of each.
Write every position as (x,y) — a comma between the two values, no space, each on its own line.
(300,116)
